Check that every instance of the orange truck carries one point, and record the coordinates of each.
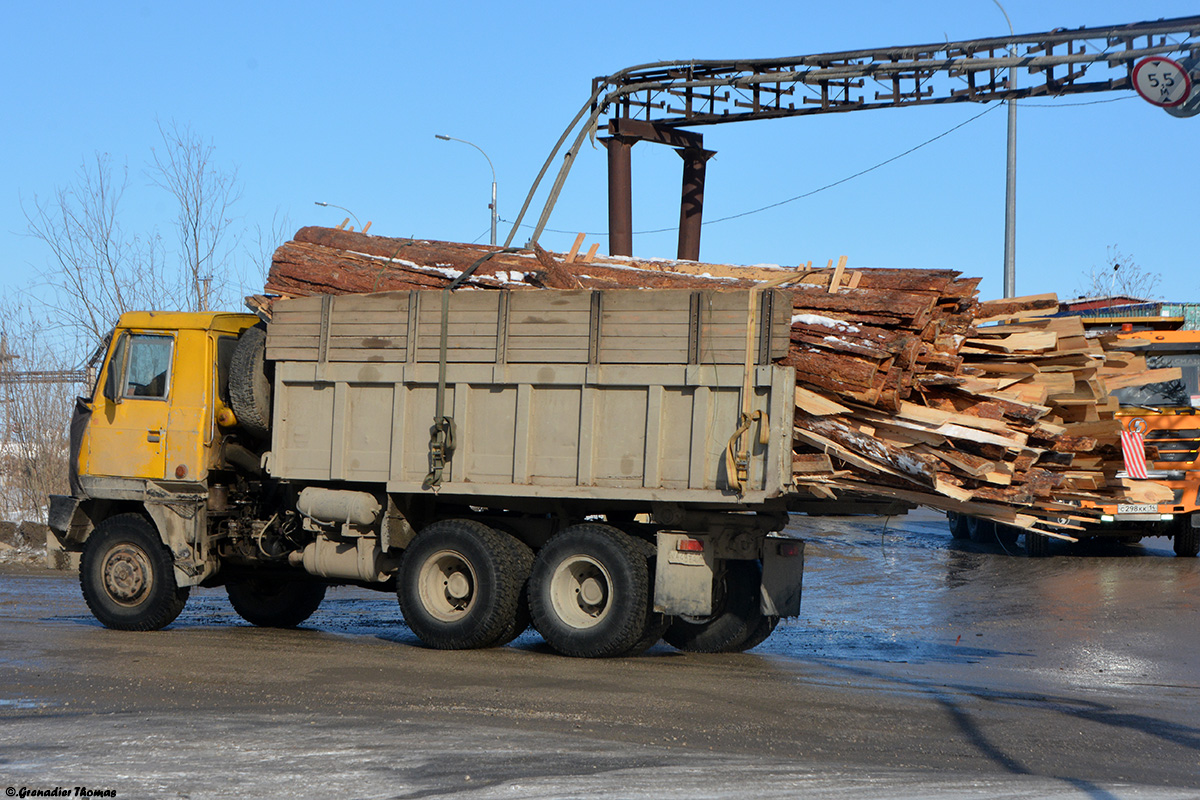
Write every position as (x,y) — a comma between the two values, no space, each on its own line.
(1166,416)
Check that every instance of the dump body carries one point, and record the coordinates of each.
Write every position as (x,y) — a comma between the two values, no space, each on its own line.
(603,462)
(622,396)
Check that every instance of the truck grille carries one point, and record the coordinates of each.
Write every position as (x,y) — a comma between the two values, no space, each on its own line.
(1175,447)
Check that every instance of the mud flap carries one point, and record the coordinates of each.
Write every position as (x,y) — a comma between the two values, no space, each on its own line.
(683,581)
(783,577)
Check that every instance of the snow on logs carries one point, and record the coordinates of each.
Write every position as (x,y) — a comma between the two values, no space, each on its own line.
(907,385)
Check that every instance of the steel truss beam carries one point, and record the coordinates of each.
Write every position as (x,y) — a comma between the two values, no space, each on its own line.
(665,95)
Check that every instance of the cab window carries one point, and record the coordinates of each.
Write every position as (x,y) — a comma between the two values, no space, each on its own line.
(148,367)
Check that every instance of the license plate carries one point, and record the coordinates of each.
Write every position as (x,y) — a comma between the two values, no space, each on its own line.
(1137,508)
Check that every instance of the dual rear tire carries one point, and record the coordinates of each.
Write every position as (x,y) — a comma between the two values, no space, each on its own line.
(461,583)
(589,593)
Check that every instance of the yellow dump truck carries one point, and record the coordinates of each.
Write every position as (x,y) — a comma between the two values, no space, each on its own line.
(610,465)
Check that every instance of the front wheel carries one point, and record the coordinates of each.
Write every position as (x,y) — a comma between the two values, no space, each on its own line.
(1186,541)
(590,593)
(127,576)
(275,601)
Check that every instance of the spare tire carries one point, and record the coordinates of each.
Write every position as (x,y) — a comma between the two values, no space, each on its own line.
(250,382)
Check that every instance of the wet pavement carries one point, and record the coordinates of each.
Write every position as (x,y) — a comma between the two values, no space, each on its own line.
(920,667)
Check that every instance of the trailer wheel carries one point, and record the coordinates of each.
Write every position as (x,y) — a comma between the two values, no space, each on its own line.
(127,576)
(1186,541)
(275,601)
(460,584)
(958,525)
(590,592)
(1037,545)
(735,619)
(250,383)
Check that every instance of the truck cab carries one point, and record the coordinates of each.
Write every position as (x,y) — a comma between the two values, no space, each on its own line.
(161,391)
(1165,415)
(148,437)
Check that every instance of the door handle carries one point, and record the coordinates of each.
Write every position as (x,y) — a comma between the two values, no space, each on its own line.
(154,436)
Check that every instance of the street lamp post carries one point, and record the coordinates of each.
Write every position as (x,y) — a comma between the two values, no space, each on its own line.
(485,155)
(1010,177)
(343,208)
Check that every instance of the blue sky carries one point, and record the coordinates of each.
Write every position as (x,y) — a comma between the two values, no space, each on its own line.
(340,102)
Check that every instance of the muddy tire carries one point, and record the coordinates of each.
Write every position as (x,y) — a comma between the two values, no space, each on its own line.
(1007,535)
(589,592)
(981,530)
(736,618)
(1186,541)
(656,623)
(522,556)
(957,524)
(127,576)
(760,633)
(275,601)
(250,382)
(460,584)
(1037,545)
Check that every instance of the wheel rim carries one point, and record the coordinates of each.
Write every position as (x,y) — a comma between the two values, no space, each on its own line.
(128,576)
(446,585)
(581,591)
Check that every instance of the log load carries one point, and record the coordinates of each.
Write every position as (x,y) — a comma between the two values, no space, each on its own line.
(907,386)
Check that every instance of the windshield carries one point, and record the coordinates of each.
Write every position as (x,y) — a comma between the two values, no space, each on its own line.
(1183,392)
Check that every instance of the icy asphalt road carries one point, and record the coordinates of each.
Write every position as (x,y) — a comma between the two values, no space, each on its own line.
(920,668)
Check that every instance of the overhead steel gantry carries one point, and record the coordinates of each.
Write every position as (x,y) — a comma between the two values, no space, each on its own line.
(652,102)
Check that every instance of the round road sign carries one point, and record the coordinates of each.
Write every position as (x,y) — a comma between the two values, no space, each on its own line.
(1162,81)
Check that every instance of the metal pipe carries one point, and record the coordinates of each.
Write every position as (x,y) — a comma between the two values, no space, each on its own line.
(620,195)
(1010,177)
(691,203)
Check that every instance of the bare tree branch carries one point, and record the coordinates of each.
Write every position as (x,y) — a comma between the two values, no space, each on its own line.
(205,195)
(1120,276)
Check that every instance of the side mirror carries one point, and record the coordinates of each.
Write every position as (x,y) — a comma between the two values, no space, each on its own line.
(115,371)
(110,385)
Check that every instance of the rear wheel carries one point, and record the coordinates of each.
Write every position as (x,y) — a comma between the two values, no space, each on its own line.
(127,576)
(275,601)
(760,633)
(1186,540)
(1007,535)
(1037,545)
(981,530)
(522,556)
(590,593)
(459,585)
(958,525)
(736,618)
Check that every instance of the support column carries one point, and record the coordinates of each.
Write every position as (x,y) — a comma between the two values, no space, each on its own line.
(620,195)
(691,203)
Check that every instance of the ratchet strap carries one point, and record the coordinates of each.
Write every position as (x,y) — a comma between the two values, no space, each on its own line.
(441,435)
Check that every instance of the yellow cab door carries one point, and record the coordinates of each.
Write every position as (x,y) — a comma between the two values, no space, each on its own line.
(128,430)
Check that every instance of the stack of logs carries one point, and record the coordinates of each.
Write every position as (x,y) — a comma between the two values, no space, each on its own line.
(907,386)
